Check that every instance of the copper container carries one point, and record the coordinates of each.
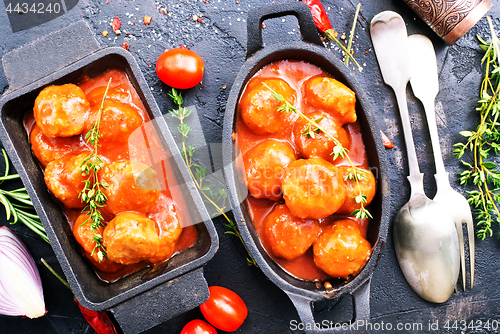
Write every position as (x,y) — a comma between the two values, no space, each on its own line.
(450,19)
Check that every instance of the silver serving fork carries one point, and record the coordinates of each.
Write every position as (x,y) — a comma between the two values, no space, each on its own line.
(425,86)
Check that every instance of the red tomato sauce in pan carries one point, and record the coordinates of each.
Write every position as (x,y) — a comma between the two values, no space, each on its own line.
(129,117)
(254,127)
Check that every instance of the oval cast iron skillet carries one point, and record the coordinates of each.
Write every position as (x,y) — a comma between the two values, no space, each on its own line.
(310,49)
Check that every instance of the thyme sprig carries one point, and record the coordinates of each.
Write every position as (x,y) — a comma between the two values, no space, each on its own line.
(18,205)
(92,193)
(355,173)
(217,197)
(309,132)
(484,173)
(351,36)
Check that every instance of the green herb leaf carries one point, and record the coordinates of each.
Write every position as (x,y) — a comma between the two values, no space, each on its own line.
(176,97)
(466,133)
(278,97)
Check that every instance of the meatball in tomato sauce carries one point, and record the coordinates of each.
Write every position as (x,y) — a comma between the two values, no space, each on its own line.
(120,93)
(65,179)
(367,187)
(61,111)
(131,238)
(169,224)
(47,149)
(265,165)
(287,235)
(331,96)
(340,250)
(313,188)
(312,142)
(130,187)
(259,108)
(84,235)
(118,121)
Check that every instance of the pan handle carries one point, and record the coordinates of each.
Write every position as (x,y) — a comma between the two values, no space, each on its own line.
(162,302)
(361,300)
(258,15)
(48,54)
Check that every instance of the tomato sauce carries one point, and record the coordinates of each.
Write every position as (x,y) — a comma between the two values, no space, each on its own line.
(143,146)
(295,73)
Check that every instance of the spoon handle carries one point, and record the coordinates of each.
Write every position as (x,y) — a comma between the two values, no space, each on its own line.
(415,177)
(431,122)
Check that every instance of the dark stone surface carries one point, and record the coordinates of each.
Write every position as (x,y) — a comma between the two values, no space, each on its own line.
(221,41)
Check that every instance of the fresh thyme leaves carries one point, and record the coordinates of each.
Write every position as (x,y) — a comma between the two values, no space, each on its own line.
(17,204)
(211,194)
(309,132)
(92,191)
(338,151)
(484,173)
(176,97)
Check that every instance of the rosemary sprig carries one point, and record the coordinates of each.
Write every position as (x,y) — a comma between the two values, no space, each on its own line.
(92,191)
(211,194)
(59,277)
(355,174)
(483,173)
(17,204)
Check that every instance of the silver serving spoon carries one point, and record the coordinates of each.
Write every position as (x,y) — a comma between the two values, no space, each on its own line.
(425,85)
(425,238)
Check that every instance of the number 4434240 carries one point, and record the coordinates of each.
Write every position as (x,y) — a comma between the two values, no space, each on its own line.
(472,325)
(35,8)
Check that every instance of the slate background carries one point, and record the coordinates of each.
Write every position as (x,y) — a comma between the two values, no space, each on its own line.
(221,41)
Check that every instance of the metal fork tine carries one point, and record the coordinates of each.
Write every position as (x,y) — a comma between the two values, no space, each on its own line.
(460,233)
(470,230)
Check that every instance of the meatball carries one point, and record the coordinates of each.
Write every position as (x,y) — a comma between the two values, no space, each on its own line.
(165,215)
(259,108)
(61,111)
(367,184)
(131,238)
(47,149)
(64,178)
(331,96)
(130,187)
(340,250)
(288,236)
(312,142)
(264,168)
(84,235)
(313,188)
(120,93)
(118,121)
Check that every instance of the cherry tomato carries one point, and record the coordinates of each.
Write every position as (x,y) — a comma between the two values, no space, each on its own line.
(198,327)
(224,309)
(180,68)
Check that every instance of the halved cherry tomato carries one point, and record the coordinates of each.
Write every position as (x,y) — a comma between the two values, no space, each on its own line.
(224,309)
(198,327)
(180,68)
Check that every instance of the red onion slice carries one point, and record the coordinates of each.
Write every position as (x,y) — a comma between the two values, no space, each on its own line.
(21,292)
